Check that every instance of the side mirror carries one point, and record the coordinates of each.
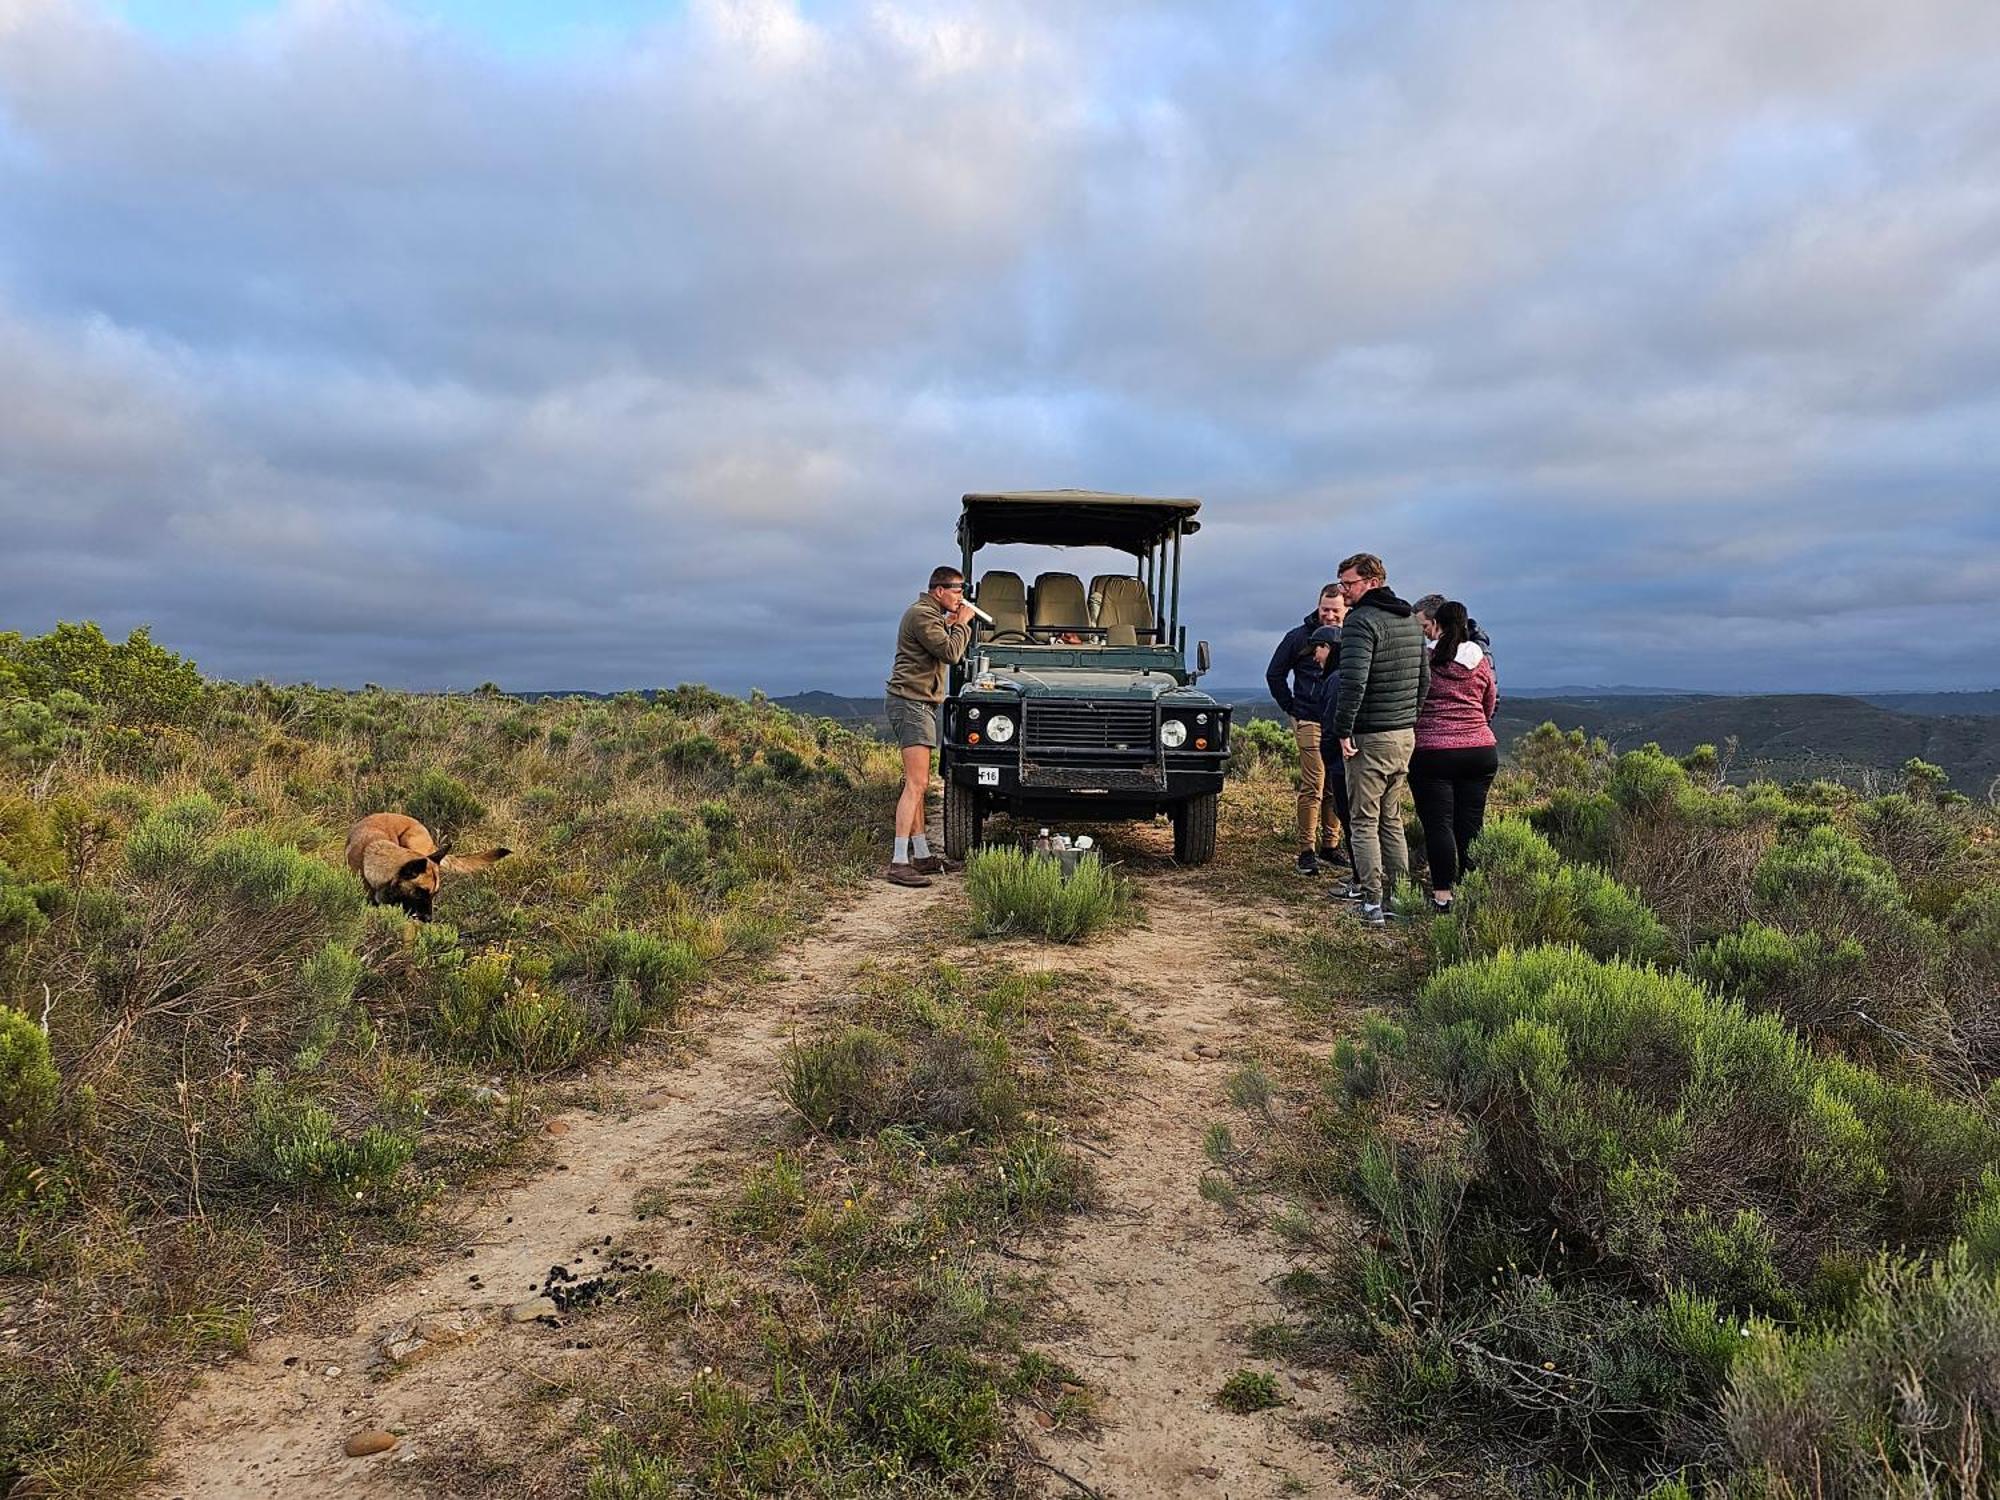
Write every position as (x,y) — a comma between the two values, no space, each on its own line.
(1201,656)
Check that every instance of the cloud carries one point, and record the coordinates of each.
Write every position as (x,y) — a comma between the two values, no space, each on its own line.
(354,345)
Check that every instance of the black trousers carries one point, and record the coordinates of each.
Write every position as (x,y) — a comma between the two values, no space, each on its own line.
(1450,788)
(1336,782)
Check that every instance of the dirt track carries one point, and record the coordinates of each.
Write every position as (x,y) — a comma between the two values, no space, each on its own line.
(1153,1291)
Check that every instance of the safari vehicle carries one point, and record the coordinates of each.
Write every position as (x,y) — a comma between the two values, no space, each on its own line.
(1077,701)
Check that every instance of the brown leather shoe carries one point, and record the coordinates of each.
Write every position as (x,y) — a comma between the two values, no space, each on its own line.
(905,874)
(937,864)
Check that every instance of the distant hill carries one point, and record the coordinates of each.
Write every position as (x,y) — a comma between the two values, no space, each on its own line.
(1784,736)
(1984,705)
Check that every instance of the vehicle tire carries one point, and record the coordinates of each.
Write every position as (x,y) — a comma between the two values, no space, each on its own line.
(964,812)
(1194,829)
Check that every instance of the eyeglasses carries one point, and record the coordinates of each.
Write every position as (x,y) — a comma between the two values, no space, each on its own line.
(1352,583)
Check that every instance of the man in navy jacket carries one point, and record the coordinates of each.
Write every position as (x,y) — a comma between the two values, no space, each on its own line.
(1298,685)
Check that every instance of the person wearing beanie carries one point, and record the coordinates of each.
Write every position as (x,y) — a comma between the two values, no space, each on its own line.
(1297,683)
(1457,755)
(1324,643)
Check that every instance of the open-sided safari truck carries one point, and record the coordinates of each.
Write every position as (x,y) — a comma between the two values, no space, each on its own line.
(1077,701)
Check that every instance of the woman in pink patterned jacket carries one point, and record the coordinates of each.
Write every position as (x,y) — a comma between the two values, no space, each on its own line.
(1457,755)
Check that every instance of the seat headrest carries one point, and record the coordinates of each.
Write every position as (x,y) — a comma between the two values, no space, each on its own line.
(1058,599)
(1122,601)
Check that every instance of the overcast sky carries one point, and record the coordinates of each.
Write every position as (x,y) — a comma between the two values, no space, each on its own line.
(626,344)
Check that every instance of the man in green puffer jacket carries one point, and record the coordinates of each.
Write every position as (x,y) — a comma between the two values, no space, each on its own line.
(1384,674)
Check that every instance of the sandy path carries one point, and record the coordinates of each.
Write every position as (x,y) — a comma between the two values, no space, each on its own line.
(1157,1289)
(1152,1295)
(274,1422)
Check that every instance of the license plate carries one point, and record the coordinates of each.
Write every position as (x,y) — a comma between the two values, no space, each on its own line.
(989,776)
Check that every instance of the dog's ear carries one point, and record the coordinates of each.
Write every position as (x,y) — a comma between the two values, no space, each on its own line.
(413,868)
(460,864)
(442,851)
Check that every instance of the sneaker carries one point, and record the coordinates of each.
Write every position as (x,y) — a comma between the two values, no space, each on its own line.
(1307,865)
(937,864)
(1347,890)
(1373,915)
(1440,908)
(905,874)
(1330,854)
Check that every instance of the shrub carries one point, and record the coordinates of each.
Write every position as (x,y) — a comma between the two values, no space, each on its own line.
(1553,760)
(167,842)
(535,1029)
(1035,1176)
(29,1083)
(1806,978)
(1466,1321)
(136,683)
(1247,1391)
(842,1084)
(25,906)
(1822,881)
(1367,1064)
(1648,780)
(1825,881)
(1974,929)
(252,870)
(659,970)
(949,1075)
(1647,1117)
(1520,894)
(1582,826)
(32,734)
(443,804)
(1261,743)
(295,1141)
(1013,891)
(1591,1378)
(1897,1397)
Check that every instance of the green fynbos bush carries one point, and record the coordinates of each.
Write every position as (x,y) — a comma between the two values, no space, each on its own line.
(1647,1116)
(1013,891)
(1520,893)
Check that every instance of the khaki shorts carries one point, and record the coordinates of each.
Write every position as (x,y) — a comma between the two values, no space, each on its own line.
(912,723)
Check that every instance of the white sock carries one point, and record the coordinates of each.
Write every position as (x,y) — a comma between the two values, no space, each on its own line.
(902,854)
(920,846)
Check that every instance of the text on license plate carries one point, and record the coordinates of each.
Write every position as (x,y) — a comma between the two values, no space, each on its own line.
(989,776)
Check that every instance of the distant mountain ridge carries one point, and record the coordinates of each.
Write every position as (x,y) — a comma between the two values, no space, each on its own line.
(1785,736)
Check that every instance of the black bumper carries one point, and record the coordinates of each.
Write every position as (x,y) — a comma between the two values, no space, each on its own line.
(1044,788)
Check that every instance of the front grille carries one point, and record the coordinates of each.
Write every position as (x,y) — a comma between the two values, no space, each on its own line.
(1094,778)
(1089,726)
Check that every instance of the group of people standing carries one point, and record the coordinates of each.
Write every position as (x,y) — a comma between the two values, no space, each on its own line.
(1382,692)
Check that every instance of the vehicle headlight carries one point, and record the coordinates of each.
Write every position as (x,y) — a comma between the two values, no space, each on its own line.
(1173,734)
(999,728)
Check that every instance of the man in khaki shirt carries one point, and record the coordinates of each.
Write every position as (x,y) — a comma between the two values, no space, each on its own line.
(934,633)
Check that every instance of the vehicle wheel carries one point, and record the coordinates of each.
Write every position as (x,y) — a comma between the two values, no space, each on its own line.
(1194,829)
(964,812)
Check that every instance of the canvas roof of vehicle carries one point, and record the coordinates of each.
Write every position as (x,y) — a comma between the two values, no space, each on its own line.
(1074,518)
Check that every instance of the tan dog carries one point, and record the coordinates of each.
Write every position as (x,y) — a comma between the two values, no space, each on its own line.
(399,862)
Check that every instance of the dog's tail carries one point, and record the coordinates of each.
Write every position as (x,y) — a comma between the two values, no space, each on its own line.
(461,864)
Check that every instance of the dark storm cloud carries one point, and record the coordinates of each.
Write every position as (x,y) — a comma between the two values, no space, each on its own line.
(349,346)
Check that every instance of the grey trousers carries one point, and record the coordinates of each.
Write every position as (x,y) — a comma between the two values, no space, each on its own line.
(1376,774)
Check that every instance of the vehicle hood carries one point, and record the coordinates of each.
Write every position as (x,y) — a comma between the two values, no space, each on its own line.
(1068,682)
